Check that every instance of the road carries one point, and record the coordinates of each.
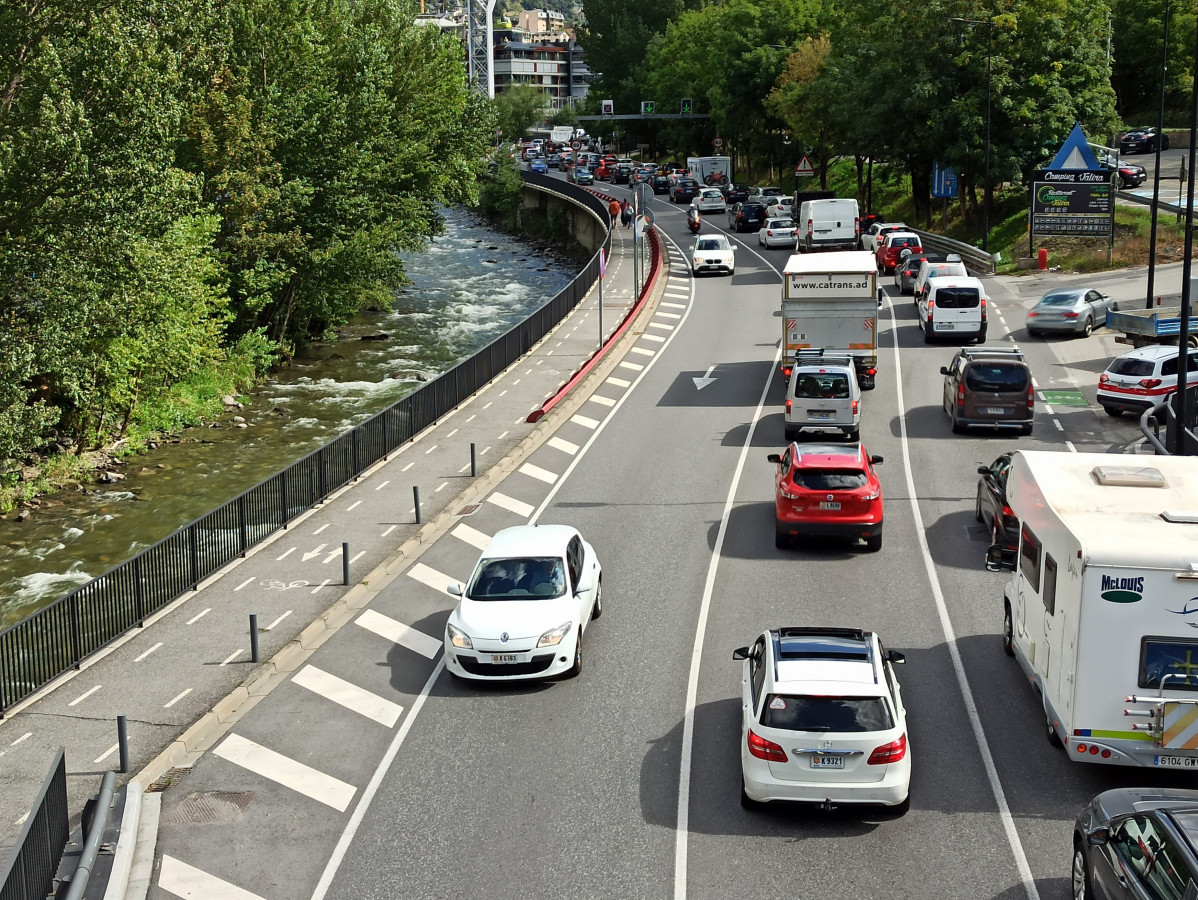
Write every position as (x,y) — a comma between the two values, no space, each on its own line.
(624,781)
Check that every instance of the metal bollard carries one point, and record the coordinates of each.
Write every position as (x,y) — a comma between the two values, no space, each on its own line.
(253,638)
(345,562)
(122,739)
(473,461)
(416,502)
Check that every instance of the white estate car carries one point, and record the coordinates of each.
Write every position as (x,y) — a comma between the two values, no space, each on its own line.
(779,232)
(822,720)
(713,253)
(710,200)
(526,607)
(779,207)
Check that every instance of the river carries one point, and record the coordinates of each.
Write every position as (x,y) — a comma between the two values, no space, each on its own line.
(469,287)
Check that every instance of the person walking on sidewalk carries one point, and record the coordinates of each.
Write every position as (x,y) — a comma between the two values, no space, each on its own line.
(614,210)
(626,213)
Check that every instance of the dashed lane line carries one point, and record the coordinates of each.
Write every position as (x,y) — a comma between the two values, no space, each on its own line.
(538,473)
(399,633)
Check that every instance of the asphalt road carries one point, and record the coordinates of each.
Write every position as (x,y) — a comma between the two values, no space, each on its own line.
(577,788)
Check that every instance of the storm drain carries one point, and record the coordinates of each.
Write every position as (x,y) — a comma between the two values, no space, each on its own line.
(209,808)
(468,510)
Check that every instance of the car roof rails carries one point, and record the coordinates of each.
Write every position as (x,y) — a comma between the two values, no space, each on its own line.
(1012,351)
(817,356)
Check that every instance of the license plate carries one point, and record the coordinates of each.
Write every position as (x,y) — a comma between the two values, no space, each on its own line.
(505,657)
(827,504)
(996,411)
(1176,762)
(944,326)
(820,414)
(827,762)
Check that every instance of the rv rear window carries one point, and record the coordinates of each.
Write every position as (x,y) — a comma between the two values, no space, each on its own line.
(1174,659)
(1029,558)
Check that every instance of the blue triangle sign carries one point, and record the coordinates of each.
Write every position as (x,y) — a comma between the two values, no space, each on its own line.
(1075,153)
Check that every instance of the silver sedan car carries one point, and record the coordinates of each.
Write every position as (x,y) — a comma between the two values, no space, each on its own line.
(1069,310)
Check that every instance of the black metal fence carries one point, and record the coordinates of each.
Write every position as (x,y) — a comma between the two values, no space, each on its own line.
(57,637)
(29,874)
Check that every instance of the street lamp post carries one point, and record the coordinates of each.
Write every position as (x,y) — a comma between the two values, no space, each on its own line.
(987,192)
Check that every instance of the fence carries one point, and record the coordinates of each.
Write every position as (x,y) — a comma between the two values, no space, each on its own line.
(30,871)
(47,643)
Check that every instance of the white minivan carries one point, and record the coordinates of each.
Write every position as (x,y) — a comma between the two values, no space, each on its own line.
(827,225)
(953,307)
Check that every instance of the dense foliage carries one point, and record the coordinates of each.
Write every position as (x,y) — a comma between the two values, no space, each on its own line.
(186,185)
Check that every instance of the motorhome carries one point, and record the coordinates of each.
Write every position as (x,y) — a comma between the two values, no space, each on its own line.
(1101,608)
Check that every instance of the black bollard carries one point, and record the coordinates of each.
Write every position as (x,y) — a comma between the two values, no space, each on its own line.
(473,461)
(345,562)
(253,638)
(416,502)
(122,739)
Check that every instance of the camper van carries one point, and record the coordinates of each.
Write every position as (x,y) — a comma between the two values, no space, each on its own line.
(1101,609)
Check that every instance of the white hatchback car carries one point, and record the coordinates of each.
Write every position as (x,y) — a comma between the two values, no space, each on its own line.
(1143,378)
(780,207)
(713,253)
(779,232)
(822,720)
(526,607)
(710,200)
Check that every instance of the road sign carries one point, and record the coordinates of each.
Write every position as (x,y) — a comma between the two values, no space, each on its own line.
(575,145)
(687,106)
(804,167)
(717,142)
(646,107)
(609,108)
(944,181)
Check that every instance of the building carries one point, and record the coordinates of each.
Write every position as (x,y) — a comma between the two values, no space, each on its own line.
(550,60)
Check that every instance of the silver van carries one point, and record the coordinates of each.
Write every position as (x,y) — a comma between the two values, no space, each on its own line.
(823,395)
(953,307)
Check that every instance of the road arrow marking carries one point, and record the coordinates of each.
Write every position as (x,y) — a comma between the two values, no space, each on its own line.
(701,383)
(311,553)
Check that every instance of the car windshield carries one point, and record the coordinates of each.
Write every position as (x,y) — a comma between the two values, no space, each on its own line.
(830,479)
(709,244)
(835,714)
(957,298)
(539,577)
(996,377)
(823,384)
(1130,366)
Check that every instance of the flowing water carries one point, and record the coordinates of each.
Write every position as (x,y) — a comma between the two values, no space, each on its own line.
(467,289)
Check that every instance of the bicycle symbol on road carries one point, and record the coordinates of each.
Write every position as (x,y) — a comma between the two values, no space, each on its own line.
(275,585)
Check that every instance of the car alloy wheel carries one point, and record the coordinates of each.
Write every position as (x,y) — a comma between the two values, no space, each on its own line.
(1088,329)
(1008,632)
(1080,875)
(597,609)
(576,669)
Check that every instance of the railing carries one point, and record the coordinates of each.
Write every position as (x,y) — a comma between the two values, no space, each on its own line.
(30,872)
(1164,416)
(975,260)
(52,640)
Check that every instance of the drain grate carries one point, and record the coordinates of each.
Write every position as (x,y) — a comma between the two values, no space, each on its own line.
(209,808)
(468,510)
(169,779)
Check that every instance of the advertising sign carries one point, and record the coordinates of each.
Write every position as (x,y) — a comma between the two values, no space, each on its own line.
(1077,202)
(803,284)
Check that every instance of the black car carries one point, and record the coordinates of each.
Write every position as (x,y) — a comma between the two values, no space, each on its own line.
(746,217)
(621,175)
(1137,843)
(660,184)
(907,270)
(684,190)
(734,193)
(1130,175)
(991,508)
(1142,140)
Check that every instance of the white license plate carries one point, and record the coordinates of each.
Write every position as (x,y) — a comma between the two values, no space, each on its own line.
(944,326)
(827,762)
(505,658)
(996,411)
(820,414)
(1176,762)
(826,504)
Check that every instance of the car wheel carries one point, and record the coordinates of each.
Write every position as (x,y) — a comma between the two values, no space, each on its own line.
(1088,328)
(874,542)
(781,537)
(1027,429)
(1008,631)
(1080,874)
(576,669)
(745,800)
(958,428)
(977,507)
(1111,411)
(597,609)
(1050,731)
(927,332)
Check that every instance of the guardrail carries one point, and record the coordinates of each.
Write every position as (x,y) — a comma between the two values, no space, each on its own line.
(58,637)
(975,260)
(1164,416)
(29,874)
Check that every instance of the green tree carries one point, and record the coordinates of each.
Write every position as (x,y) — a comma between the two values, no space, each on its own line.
(1136,32)
(518,109)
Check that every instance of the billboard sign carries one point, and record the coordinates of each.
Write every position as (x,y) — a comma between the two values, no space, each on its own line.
(1072,202)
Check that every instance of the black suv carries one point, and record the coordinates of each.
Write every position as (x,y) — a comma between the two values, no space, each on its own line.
(660,184)
(684,190)
(621,175)
(734,193)
(746,217)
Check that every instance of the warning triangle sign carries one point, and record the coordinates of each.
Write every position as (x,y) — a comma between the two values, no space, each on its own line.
(804,167)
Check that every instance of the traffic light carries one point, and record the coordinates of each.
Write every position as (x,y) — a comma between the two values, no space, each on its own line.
(647,107)
(687,106)
(609,108)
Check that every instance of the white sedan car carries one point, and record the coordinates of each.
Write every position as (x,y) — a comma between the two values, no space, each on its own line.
(713,253)
(778,232)
(526,607)
(710,200)
(779,208)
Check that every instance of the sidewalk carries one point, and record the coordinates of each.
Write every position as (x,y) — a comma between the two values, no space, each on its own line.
(184,677)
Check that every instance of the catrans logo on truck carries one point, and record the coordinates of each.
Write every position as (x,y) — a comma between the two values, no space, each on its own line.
(1122,590)
(829,285)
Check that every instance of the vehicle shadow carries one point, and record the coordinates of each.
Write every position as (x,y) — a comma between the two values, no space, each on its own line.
(959,540)
(757,276)
(770,435)
(750,535)
(923,422)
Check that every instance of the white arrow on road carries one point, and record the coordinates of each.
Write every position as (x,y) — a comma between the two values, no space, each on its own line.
(701,383)
(307,556)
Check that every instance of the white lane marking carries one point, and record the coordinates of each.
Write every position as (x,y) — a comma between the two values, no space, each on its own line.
(244,583)
(584,421)
(485,450)
(232,656)
(657,338)
(390,529)
(333,554)
(950,637)
(625,364)
(382,485)
(199,616)
(190,883)
(321,528)
(408,466)
(284,770)
(440,487)
(673,305)
(176,699)
(399,633)
(357,556)
(343,693)
(371,789)
(455,431)
(315,551)
(662,325)
(27,734)
(148,652)
(503,434)
(1048,407)
(429,576)
(642,351)
(353,506)
(666,315)
(272,625)
(618,382)
(511,504)
(538,473)
(84,696)
(1057,422)
(107,753)
(563,445)
(430,449)
(1036,384)
(319,586)
(601,400)
(1069,444)
(471,536)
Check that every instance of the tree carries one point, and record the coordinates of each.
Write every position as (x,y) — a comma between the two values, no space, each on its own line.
(517,109)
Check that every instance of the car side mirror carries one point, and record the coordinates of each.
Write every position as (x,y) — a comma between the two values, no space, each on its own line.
(1098,836)
(983,470)
(1000,559)
(740,653)
(893,656)
(774,458)
(455,589)
(944,370)
(876,460)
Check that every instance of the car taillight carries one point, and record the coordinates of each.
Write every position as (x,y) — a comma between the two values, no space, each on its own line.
(1071,315)
(857,225)
(855,402)
(810,227)
(788,402)
(887,753)
(960,395)
(769,232)
(1103,378)
(1007,512)
(871,371)
(1032,314)
(768,750)
(786,370)
(1031,397)
(788,494)
(1150,382)
(872,495)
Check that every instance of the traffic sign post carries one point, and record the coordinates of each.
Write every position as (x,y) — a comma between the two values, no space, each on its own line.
(575,145)
(717,142)
(804,169)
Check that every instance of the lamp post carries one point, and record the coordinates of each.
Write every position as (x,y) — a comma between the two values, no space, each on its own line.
(986,193)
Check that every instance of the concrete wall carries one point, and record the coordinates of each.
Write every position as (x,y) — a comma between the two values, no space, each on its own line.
(544,209)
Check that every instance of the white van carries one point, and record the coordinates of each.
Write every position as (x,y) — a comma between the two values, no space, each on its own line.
(827,225)
(951,265)
(954,308)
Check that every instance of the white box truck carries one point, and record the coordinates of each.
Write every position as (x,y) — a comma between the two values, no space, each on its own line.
(1101,609)
(710,171)
(829,302)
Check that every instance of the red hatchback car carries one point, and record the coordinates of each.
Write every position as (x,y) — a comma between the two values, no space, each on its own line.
(827,490)
(891,248)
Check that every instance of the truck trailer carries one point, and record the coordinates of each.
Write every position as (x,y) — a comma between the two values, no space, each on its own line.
(1101,608)
(829,302)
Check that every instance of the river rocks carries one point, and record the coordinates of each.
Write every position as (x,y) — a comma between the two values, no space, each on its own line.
(110,477)
(230,402)
(30,473)
(238,419)
(381,336)
(241,425)
(22,515)
(409,376)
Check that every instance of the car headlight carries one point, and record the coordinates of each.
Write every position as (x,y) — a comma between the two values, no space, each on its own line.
(458,638)
(554,637)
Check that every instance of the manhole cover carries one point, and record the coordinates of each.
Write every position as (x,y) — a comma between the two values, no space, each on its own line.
(468,510)
(1065,398)
(209,808)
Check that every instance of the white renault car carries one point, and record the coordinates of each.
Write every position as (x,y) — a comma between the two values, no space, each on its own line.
(777,232)
(822,720)
(713,253)
(526,607)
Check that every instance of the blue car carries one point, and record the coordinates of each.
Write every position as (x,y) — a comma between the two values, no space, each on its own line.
(538,165)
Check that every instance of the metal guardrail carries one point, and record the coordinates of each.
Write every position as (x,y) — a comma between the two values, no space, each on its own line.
(58,637)
(975,260)
(1164,416)
(30,872)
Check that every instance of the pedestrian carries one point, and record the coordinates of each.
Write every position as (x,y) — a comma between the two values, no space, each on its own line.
(626,214)
(614,209)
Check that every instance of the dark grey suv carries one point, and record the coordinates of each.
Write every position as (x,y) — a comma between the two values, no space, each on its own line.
(746,217)
(684,190)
